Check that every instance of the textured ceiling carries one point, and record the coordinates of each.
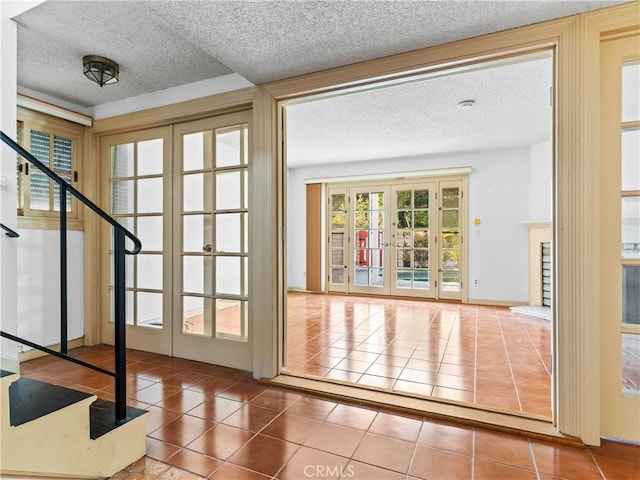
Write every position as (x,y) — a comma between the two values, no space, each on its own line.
(162,44)
(512,110)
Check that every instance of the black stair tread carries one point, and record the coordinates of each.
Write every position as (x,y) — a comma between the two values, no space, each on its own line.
(103,417)
(30,399)
(5,373)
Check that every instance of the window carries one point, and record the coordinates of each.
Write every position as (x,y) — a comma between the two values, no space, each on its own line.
(56,143)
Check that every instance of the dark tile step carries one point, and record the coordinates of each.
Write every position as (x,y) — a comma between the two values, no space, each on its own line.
(4,373)
(103,417)
(30,399)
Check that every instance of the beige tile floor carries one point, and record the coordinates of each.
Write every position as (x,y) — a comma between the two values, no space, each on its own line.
(211,422)
(481,355)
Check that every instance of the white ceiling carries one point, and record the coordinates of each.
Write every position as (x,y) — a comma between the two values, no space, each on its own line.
(512,110)
(163,44)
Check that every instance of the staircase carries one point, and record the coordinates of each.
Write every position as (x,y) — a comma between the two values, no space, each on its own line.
(53,431)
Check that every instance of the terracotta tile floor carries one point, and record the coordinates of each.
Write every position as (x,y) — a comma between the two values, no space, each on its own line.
(467,353)
(212,422)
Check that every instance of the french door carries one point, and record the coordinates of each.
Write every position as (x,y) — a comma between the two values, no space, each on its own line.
(184,191)
(402,239)
(620,237)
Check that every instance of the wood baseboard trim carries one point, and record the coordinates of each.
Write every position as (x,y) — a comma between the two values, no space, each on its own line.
(530,426)
(31,354)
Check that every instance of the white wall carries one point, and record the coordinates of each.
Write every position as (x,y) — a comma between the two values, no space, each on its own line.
(541,181)
(38,285)
(499,195)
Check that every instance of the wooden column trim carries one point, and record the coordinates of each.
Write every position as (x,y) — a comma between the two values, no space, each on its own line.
(314,237)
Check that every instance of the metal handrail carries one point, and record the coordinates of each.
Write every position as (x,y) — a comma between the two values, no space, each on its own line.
(9,232)
(120,233)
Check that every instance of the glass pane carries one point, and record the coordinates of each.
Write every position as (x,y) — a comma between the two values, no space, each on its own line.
(122,160)
(122,197)
(450,239)
(149,309)
(405,238)
(56,196)
(196,274)
(40,146)
(129,270)
(149,271)
(129,306)
(421,219)
(630,159)
(193,192)
(150,195)
(421,258)
(450,219)
(421,279)
(196,233)
(422,199)
(404,199)
(362,202)
(230,317)
(229,232)
(39,186)
(450,260)
(228,148)
(62,155)
(150,157)
(196,315)
(228,279)
(450,281)
(631,227)
(404,278)
(337,256)
(403,258)
(362,220)
(337,220)
(376,277)
(404,219)
(361,276)
(150,233)
(631,363)
(631,295)
(631,91)
(450,197)
(361,257)
(377,257)
(337,202)
(421,238)
(337,239)
(337,276)
(228,193)
(193,151)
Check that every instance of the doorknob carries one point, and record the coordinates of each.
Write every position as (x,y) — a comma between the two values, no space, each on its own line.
(208,248)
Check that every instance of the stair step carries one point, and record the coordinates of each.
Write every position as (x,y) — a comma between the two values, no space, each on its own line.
(103,417)
(5,373)
(30,399)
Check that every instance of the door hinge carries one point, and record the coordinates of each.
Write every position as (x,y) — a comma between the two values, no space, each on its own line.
(435,239)
(461,285)
(461,193)
(436,284)
(23,168)
(75,175)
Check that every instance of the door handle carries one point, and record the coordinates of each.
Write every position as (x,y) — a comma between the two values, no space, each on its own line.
(208,248)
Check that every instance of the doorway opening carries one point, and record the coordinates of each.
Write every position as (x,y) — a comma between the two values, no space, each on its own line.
(393,288)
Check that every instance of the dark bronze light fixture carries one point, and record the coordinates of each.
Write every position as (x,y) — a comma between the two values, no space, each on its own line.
(101,70)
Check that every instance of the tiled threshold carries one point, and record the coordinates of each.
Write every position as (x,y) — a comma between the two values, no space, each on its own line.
(509,422)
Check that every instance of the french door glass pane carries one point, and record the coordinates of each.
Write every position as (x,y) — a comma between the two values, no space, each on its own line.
(337,275)
(228,151)
(412,224)
(229,232)
(193,151)
(228,190)
(630,227)
(369,238)
(122,197)
(196,274)
(196,233)
(631,363)
(150,232)
(193,192)
(149,309)
(230,317)
(122,161)
(149,271)
(338,221)
(631,295)
(630,159)
(150,195)
(228,275)
(196,315)
(631,91)
(150,157)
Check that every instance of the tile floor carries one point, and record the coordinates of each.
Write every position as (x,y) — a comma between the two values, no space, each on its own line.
(482,355)
(212,422)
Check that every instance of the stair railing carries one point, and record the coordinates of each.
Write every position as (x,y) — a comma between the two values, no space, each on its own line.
(120,234)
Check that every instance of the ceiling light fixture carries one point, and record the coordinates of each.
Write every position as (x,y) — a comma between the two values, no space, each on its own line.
(466,104)
(101,70)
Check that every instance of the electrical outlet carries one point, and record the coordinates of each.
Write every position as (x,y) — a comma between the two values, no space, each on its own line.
(476,282)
